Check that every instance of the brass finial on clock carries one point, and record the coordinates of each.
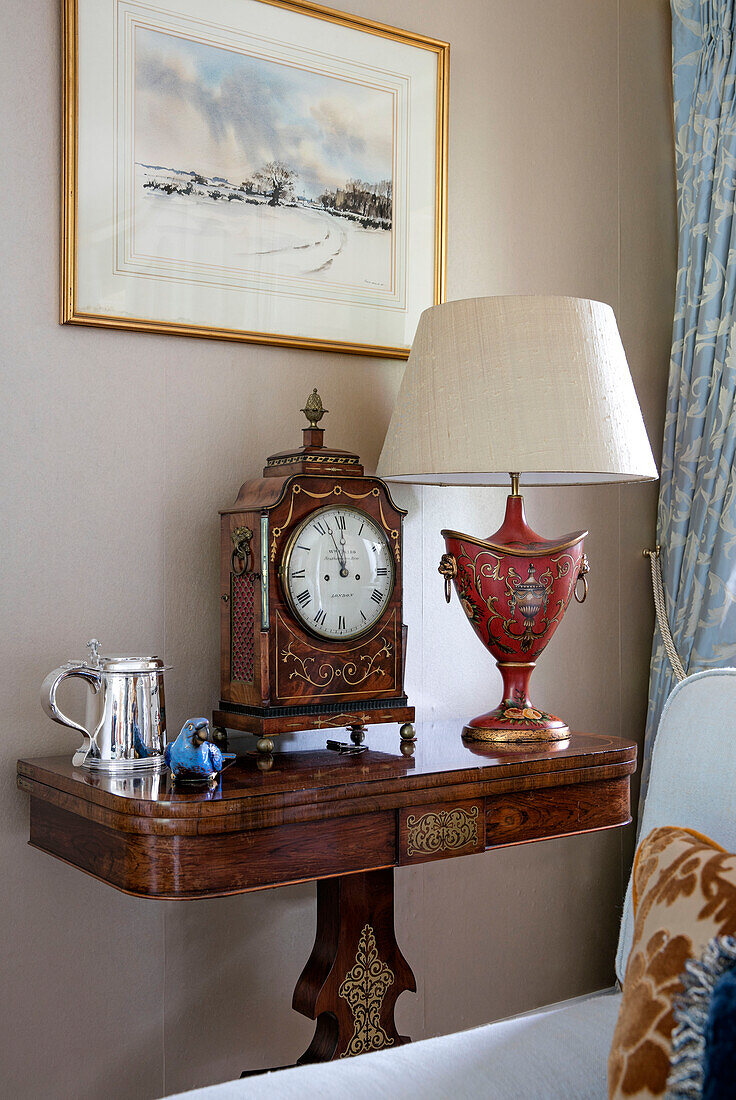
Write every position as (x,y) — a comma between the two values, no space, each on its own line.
(314,410)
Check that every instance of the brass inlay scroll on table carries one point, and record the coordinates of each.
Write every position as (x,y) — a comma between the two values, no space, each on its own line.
(364,987)
(441,831)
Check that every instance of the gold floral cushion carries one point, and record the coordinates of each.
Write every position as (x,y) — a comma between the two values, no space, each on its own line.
(684,893)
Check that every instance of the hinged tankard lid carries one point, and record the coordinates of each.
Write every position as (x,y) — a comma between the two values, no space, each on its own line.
(122,664)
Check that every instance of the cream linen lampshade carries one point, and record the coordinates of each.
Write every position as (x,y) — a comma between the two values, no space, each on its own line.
(536,388)
(529,383)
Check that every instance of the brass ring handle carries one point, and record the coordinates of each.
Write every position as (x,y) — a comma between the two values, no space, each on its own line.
(241,554)
(235,558)
(583,598)
(448,569)
(582,576)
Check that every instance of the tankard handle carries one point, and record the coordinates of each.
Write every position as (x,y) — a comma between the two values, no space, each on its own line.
(49,704)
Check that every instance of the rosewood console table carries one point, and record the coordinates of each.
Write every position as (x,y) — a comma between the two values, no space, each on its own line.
(346,821)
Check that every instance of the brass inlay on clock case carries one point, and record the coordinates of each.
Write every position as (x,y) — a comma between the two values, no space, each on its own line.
(330,460)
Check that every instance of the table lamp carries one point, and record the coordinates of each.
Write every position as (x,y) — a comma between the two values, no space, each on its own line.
(536,389)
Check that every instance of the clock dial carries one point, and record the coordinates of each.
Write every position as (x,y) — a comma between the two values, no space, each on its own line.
(338,572)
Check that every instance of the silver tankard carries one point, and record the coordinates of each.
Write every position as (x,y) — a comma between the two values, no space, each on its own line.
(127,730)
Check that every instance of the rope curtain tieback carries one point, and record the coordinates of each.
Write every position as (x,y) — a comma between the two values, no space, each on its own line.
(660,607)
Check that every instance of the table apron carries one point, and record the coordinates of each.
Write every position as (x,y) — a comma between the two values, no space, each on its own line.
(200,864)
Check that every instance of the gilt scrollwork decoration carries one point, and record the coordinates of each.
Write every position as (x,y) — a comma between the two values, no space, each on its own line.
(364,987)
(354,672)
(526,615)
(564,563)
(392,533)
(441,831)
(276,532)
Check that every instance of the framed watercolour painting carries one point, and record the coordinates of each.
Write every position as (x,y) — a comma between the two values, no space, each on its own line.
(252,170)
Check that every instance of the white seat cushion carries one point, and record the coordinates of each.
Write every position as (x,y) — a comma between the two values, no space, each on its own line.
(557,1053)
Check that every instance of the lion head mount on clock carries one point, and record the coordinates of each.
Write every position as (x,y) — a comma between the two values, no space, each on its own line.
(312,632)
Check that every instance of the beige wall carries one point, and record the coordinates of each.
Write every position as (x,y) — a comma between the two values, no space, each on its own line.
(118,450)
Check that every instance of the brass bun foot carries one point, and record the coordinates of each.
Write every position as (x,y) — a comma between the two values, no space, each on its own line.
(219,736)
(357,732)
(408,736)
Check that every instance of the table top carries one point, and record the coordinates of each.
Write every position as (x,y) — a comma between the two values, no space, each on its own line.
(316,814)
(305,775)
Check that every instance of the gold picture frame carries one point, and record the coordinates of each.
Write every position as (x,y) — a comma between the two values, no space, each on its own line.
(71,310)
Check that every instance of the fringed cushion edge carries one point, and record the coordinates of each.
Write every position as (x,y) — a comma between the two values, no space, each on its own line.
(687,1060)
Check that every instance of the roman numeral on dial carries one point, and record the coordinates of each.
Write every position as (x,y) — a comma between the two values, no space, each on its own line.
(340,521)
(376,595)
(341,622)
(379,572)
(320,617)
(303,598)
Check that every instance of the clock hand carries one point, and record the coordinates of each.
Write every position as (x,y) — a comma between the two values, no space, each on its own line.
(344,570)
(340,557)
(337,549)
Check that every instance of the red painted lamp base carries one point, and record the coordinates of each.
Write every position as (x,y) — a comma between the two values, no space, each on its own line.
(515,719)
(514,588)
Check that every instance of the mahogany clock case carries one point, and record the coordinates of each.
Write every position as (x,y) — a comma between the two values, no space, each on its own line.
(276,677)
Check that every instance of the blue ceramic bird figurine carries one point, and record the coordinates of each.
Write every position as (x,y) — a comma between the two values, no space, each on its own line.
(193,758)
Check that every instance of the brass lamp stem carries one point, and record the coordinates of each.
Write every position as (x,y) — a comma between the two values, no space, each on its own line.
(514,484)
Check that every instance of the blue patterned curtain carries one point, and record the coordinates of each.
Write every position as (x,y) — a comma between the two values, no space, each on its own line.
(696,521)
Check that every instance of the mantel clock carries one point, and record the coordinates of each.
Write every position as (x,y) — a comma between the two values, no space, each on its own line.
(312,632)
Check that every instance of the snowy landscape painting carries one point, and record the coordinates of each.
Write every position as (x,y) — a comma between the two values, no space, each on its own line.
(258,168)
(266,171)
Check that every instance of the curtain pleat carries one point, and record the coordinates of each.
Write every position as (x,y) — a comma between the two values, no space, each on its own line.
(696,519)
